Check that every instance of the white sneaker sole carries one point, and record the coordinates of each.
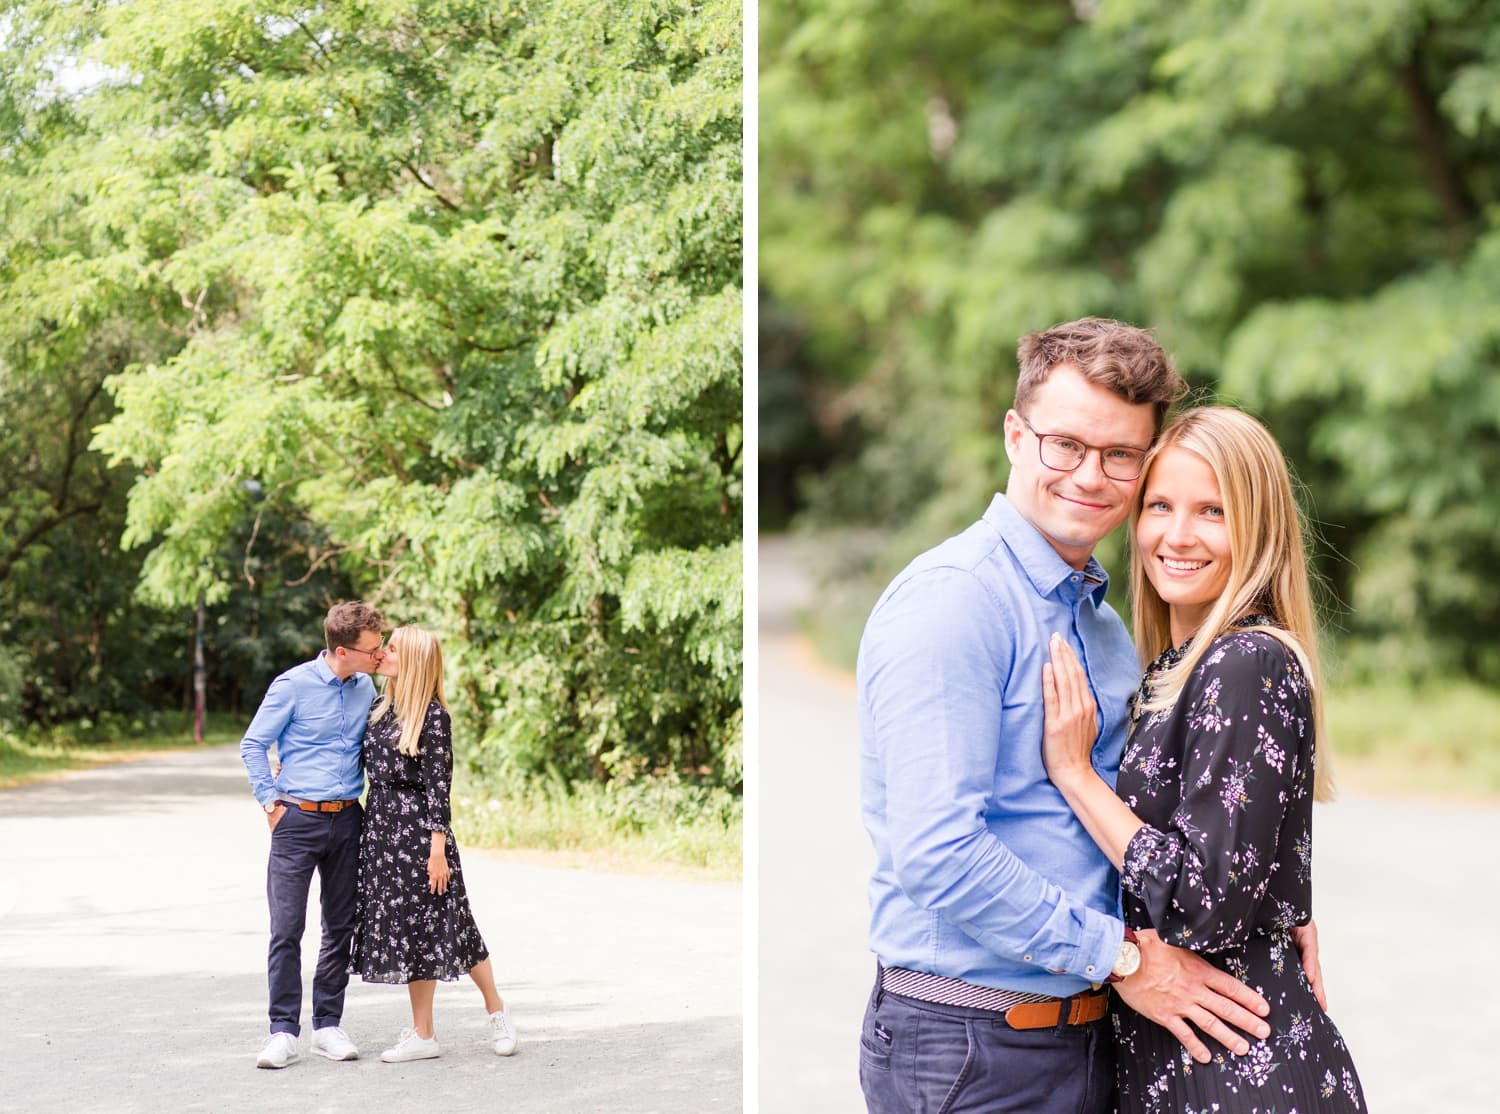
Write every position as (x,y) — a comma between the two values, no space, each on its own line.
(268,1062)
(328,1054)
(351,1054)
(391,1057)
(511,1051)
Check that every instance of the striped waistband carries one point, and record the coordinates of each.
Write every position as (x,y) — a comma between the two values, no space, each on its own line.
(280,796)
(945,991)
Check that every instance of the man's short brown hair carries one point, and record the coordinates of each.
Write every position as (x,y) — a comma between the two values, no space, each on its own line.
(1120,357)
(346,621)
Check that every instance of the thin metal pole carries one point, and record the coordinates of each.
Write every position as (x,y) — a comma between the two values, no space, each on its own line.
(200,678)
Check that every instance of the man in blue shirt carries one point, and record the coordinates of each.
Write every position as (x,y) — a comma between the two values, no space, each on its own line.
(994,916)
(314,714)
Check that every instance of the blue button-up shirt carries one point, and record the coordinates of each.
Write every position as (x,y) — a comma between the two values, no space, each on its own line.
(317,724)
(982,871)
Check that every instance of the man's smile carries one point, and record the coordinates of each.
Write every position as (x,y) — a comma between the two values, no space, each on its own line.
(1087,504)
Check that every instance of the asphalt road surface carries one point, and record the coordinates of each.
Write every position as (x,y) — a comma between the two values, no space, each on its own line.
(133,931)
(1406,903)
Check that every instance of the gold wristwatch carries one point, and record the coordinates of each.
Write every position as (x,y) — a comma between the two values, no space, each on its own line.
(1128,962)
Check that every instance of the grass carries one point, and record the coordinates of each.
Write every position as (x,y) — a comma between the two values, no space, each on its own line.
(38,753)
(835,629)
(652,825)
(1438,739)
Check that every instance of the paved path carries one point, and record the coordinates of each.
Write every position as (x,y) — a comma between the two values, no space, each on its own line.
(1407,906)
(133,939)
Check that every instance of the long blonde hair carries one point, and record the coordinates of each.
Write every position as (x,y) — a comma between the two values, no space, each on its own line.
(418,683)
(1268,550)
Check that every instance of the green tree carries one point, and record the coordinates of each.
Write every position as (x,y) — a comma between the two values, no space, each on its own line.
(78,643)
(1299,197)
(456,291)
(75,642)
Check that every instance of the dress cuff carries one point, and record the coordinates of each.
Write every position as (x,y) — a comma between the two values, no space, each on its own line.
(1139,852)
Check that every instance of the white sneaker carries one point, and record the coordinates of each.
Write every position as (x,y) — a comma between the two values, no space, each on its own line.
(334,1043)
(411,1047)
(504,1033)
(279,1051)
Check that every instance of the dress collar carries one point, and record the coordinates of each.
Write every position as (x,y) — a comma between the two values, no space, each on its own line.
(1174,654)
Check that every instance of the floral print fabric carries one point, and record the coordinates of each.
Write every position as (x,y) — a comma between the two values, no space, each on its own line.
(1224,783)
(404,932)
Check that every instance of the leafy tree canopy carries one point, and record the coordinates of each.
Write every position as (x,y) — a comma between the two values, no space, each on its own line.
(452,289)
(1300,197)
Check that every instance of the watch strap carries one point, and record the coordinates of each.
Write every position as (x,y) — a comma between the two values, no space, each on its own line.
(1133,940)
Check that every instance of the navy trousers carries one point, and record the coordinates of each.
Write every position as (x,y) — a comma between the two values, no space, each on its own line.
(301,843)
(921,1058)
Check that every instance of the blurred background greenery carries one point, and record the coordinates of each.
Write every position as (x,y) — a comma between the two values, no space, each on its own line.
(1302,198)
(431,304)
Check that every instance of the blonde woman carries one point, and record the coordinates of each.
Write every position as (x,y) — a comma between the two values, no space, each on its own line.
(1210,823)
(414,923)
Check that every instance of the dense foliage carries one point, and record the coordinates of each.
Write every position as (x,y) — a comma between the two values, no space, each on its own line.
(439,302)
(1301,197)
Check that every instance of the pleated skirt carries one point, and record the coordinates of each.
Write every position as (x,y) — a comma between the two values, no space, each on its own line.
(1303,1067)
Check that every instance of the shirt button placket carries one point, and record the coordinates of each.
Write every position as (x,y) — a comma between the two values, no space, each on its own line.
(1082,649)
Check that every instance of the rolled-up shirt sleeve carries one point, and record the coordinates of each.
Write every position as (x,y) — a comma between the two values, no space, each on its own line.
(271,719)
(936,661)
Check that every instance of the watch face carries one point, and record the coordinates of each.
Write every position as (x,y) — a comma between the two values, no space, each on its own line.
(1129,960)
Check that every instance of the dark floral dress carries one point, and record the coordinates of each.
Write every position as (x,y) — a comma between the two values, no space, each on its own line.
(405,933)
(1224,783)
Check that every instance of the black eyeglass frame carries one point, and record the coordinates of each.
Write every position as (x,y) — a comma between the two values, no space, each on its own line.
(1041,453)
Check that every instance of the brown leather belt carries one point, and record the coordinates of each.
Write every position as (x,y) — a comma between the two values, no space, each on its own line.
(1019,1009)
(322,806)
(1081,1009)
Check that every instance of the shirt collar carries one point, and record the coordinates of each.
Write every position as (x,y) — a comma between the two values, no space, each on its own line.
(1043,565)
(325,674)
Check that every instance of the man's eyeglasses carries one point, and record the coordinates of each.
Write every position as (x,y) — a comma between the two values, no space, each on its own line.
(1064,454)
(358,650)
